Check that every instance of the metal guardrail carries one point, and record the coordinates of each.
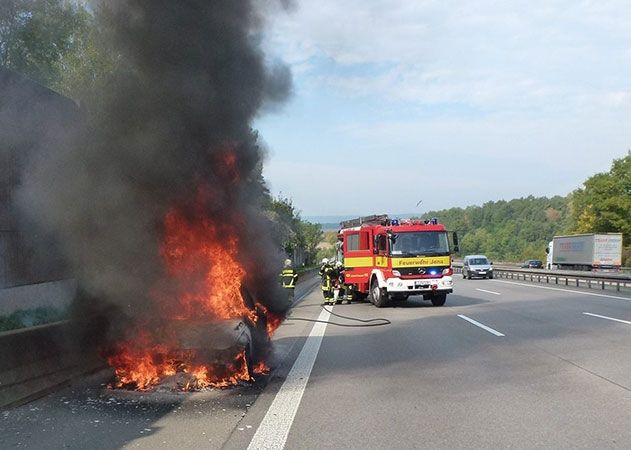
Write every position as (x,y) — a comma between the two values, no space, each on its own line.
(591,280)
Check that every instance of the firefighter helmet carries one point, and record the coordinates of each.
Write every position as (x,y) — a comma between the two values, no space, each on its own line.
(287,262)
(324,261)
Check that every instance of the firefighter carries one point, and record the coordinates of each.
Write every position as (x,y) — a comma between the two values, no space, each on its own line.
(346,290)
(327,273)
(288,278)
(338,284)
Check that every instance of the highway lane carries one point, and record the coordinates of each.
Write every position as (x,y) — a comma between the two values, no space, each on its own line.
(433,379)
(556,378)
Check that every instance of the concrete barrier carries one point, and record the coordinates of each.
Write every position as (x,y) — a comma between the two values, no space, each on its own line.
(35,360)
(53,294)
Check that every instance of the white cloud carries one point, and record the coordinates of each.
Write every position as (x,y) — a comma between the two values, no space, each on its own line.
(507,98)
(618,98)
(488,54)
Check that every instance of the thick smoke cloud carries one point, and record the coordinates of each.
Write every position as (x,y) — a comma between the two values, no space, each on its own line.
(190,79)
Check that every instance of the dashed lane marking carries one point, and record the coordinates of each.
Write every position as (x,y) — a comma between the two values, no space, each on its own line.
(608,318)
(478,324)
(488,292)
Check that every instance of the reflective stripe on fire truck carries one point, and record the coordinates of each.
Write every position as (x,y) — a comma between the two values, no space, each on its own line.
(381,261)
(359,261)
(420,262)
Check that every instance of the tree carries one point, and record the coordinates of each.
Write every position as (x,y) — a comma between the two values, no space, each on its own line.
(507,230)
(312,236)
(37,35)
(603,204)
(282,213)
(291,231)
(87,68)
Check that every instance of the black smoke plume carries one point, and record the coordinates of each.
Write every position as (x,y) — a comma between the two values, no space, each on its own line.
(190,78)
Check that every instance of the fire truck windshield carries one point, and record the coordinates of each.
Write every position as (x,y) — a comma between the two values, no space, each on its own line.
(420,243)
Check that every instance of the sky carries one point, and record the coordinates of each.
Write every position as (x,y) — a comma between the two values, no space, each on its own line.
(454,103)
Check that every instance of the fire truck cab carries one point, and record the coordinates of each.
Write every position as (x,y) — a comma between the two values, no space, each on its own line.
(389,259)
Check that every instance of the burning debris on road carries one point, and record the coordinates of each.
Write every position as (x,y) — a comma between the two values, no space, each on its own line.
(157,204)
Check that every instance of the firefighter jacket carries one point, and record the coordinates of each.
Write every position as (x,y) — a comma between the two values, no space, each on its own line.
(288,277)
(339,274)
(327,272)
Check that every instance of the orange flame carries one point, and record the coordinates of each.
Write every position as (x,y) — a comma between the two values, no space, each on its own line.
(200,260)
(261,368)
(273,320)
(204,266)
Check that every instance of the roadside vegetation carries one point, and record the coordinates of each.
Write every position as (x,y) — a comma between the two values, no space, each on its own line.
(32,317)
(520,229)
(507,230)
(326,248)
(298,238)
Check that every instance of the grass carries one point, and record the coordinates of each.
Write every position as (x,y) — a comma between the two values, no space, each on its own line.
(25,318)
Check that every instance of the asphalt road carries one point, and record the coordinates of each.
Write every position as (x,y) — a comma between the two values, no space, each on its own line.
(502,364)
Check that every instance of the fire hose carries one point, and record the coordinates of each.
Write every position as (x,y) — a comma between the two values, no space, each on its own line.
(376,322)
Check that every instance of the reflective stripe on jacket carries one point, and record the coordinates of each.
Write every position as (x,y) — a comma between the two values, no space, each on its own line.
(289,277)
(327,273)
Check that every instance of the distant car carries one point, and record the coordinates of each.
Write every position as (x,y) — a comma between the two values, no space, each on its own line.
(532,264)
(476,266)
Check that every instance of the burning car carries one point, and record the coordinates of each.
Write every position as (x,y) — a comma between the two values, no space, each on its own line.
(194,354)
(209,330)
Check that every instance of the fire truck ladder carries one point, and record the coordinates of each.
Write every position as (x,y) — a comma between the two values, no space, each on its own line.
(381,219)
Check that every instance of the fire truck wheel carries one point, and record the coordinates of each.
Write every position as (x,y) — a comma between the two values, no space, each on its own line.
(439,299)
(378,296)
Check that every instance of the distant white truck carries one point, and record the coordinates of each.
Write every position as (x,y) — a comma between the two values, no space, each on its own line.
(596,251)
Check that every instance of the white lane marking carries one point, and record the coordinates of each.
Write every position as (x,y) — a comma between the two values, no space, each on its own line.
(608,318)
(488,292)
(478,324)
(564,290)
(274,428)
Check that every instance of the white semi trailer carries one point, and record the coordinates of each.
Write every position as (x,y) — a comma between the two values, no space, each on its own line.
(594,251)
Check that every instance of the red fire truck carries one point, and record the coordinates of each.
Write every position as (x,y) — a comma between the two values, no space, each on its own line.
(389,259)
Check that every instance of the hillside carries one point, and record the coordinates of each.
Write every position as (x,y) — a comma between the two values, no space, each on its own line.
(508,230)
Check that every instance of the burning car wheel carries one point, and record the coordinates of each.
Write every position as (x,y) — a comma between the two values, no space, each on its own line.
(259,347)
(378,296)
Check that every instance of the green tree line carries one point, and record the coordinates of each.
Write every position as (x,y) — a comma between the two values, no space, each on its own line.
(520,229)
(507,230)
(54,42)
